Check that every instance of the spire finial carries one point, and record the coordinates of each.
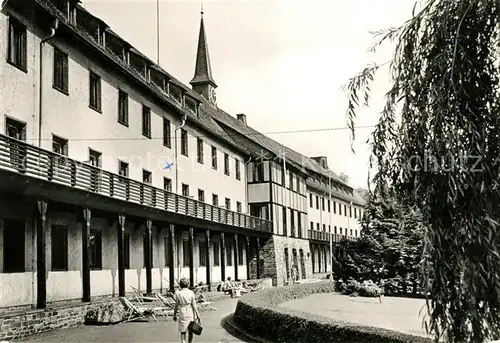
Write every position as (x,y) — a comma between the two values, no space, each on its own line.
(202,9)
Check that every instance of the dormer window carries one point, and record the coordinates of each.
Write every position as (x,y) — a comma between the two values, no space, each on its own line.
(61,5)
(176,92)
(157,78)
(138,63)
(191,104)
(72,11)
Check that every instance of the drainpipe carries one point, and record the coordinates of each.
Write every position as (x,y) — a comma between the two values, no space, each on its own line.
(40,87)
(183,122)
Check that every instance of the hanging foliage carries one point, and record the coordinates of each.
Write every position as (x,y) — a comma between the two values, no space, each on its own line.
(437,146)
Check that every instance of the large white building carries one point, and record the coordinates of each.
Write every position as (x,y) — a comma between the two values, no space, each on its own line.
(114,174)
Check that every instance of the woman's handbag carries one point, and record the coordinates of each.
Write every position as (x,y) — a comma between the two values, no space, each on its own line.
(195,328)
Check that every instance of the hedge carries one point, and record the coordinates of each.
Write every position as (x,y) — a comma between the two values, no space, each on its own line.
(258,314)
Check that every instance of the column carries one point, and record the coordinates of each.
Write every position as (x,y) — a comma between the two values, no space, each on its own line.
(247,255)
(121,255)
(86,255)
(149,283)
(191,257)
(258,258)
(222,257)
(171,257)
(41,258)
(236,256)
(208,259)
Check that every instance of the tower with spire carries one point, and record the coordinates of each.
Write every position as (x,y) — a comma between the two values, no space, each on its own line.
(202,82)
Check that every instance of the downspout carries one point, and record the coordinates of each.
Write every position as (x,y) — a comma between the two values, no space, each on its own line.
(40,88)
(183,122)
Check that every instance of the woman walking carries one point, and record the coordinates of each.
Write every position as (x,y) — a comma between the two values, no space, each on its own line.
(185,305)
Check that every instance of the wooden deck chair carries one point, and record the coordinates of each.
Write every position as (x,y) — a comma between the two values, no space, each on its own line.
(133,312)
(140,298)
(206,306)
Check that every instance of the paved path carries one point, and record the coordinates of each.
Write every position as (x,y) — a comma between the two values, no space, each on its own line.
(163,331)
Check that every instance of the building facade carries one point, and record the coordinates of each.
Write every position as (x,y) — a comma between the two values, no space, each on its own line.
(115,175)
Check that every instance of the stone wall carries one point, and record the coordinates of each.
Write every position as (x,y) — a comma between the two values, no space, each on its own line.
(16,325)
(273,254)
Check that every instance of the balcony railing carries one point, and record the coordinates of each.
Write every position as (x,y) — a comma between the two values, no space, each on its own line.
(325,236)
(19,157)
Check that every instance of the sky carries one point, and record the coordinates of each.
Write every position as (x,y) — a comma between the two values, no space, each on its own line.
(280,62)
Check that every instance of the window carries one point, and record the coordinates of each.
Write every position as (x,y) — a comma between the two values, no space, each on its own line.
(324,227)
(166,250)
(356,233)
(167,184)
(167,133)
(123,168)
(340,231)
(199,149)
(202,253)
(322,204)
(330,228)
(216,249)
(237,169)
(146,121)
(329,205)
(15,129)
(13,246)
(238,207)
(184,143)
(144,244)
(350,211)
(297,183)
(95,92)
(147,177)
(317,226)
(229,255)
(185,190)
(345,210)
(285,224)
(311,202)
(335,229)
(299,224)
(355,213)
(126,250)
(215,200)
(95,249)
(290,181)
(122,107)
(292,221)
(185,253)
(17,44)
(60,81)
(201,195)
(227,203)
(340,209)
(214,158)
(334,207)
(95,158)
(258,172)
(60,145)
(311,224)
(259,211)
(226,164)
(59,245)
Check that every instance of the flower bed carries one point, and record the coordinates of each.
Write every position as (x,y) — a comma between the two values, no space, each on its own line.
(258,314)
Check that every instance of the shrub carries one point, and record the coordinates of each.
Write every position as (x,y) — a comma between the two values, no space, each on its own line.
(258,314)
(353,287)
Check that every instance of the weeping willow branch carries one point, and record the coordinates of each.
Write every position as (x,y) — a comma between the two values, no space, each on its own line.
(436,147)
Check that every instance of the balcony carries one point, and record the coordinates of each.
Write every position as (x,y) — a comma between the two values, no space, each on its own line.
(21,158)
(325,236)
